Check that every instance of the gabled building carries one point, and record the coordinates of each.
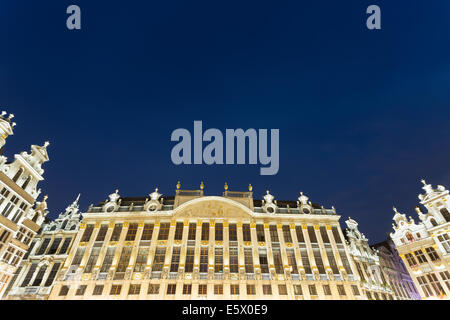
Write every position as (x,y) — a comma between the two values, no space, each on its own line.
(395,272)
(35,276)
(425,246)
(19,221)
(367,262)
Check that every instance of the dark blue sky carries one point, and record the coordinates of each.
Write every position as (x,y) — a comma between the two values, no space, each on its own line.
(363,115)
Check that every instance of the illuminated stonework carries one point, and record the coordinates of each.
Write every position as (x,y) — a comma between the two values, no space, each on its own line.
(425,247)
(19,222)
(193,246)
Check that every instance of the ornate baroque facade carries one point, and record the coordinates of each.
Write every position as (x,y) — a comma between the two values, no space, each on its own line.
(193,246)
(19,222)
(425,247)
(47,254)
(367,264)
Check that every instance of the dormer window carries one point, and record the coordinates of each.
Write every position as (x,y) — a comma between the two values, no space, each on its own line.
(410,237)
(17,175)
(445,214)
(433,222)
(25,184)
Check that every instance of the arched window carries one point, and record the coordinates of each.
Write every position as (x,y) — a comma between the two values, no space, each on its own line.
(17,175)
(409,236)
(445,214)
(35,217)
(53,228)
(73,227)
(63,226)
(433,222)
(25,184)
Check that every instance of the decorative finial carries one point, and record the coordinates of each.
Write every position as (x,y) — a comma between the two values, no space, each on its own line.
(46,144)
(11,116)
(13,124)
(250,188)
(178,185)
(202,186)
(225,186)
(78,197)
(117,191)
(45,197)
(267,191)
(3,113)
(395,209)
(424,182)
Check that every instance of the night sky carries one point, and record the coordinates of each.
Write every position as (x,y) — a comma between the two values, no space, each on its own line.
(363,115)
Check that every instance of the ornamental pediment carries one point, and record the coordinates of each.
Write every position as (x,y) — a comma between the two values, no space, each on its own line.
(212,207)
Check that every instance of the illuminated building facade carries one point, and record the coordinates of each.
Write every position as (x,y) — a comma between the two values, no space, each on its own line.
(425,247)
(19,221)
(193,246)
(37,272)
(367,264)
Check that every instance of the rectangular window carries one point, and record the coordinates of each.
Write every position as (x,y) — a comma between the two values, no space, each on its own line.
(267,289)
(37,281)
(277,260)
(318,258)
(432,254)
(192,231)
(115,289)
(81,290)
(355,290)
(246,235)
(360,272)
(98,290)
(52,275)
(336,235)
(273,233)
(179,231)
(65,245)
(248,259)
(107,261)
(87,233)
(251,289)
(92,260)
(218,289)
(331,259)
(324,234)
(131,233)
(282,290)
(435,284)
(305,258)
(260,233)
(287,234)
(202,289)
(175,259)
(124,259)
(344,259)
(187,288)
(78,256)
(445,241)
(141,260)
(424,285)
(298,290)
(134,289)
(102,233)
(234,289)
(232,232)
(29,275)
(205,231)
(290,253)
(446,277)
(171,288)
(327,290)
(189,259)
(116,232)
(234,265)
(341,290)
(164,231)
(312,234)
(218,260)
(299,233)
(420,256)
(218,232)
(158,260)
(263,262)
(153,289)
(147,232)
(312,290)
(43,246)
(410,258)
(64,291)
(204,259)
